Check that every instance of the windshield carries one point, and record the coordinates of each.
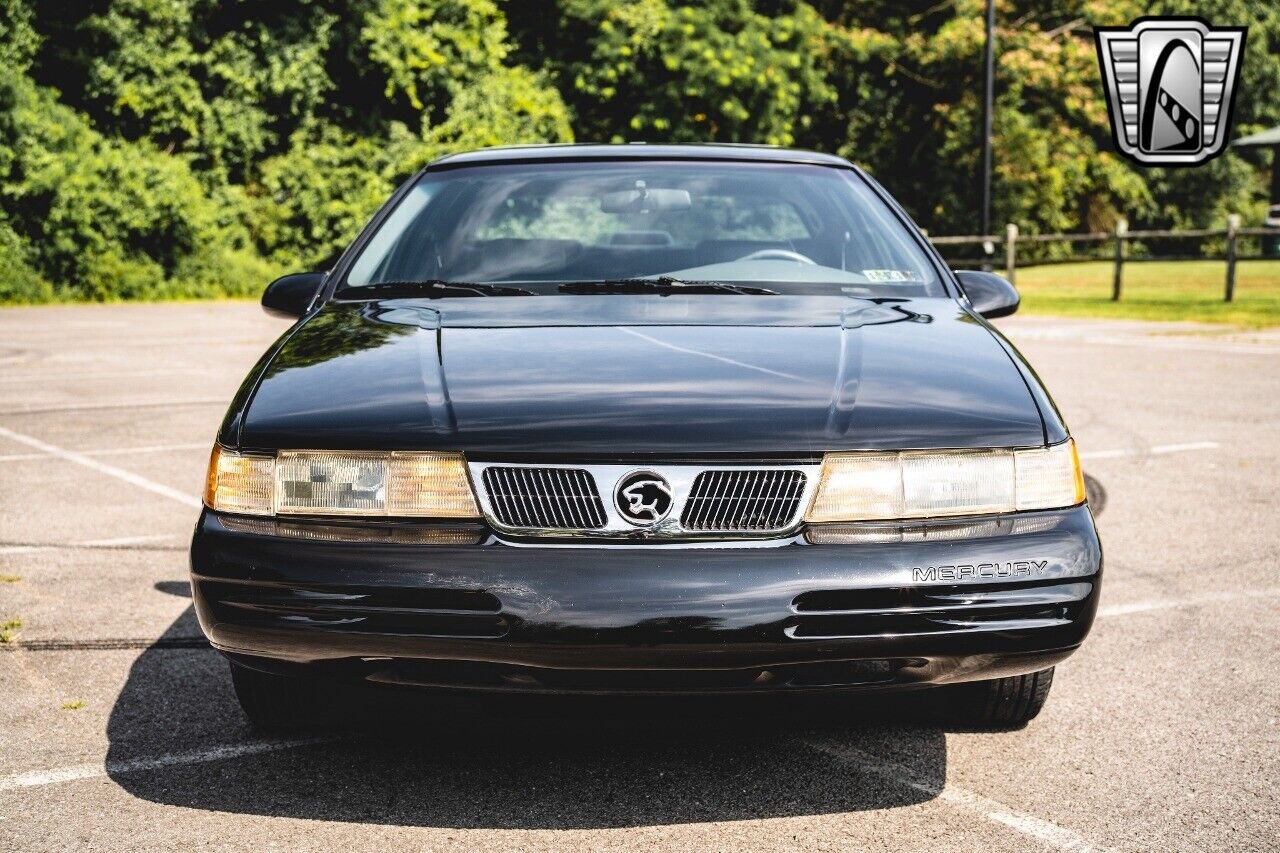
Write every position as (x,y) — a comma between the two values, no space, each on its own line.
(757,227)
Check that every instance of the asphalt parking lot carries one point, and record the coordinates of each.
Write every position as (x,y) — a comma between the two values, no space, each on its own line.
(120,730)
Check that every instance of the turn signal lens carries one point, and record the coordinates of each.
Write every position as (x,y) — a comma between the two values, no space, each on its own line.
(239,482)
(886,486)
(352,483)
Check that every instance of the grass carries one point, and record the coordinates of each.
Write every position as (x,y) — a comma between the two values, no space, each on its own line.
(9,630)
(10,578)
(73,705)
(1156,290)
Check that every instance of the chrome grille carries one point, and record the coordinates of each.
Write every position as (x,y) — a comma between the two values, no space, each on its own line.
(743,500)
(553,498)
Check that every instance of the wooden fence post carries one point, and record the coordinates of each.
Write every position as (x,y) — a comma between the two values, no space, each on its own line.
(1122,227)
(1010,251)
(1233,225)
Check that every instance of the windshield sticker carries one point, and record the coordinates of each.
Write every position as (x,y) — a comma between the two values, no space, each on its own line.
(892,275)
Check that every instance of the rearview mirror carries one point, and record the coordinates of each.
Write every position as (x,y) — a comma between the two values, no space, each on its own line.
(990,295)
(643,200)
(292,295)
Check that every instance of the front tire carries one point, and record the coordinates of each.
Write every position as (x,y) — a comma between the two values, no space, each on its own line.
(1000,703)
(277,703)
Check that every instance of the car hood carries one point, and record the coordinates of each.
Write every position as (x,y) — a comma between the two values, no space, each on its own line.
(615,375)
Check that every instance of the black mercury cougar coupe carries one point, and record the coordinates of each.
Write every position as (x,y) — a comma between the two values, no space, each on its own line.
(644,419)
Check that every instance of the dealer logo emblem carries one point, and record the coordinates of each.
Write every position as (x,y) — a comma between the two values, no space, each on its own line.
(643,498)
(1170,83)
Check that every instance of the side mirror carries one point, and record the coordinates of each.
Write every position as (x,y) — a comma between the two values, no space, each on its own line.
(989,294)
(291,295)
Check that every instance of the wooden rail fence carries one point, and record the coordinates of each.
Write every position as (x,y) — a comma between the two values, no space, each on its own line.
(1119,255)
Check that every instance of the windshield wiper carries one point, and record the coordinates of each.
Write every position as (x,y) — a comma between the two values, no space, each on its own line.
(433,287)
(663,285)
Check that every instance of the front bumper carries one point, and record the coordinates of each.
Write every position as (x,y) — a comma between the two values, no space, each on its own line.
(897,608)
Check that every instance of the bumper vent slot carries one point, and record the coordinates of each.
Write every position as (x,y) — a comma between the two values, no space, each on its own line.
(929,610)
(551,498)
(743,500)
(454,613)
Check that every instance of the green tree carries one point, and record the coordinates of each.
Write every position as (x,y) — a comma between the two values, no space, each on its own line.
(428,48)
(19,40)
(708,70)
(103,218)
(219,82)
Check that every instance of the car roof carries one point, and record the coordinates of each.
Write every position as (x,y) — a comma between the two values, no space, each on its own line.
(636,151)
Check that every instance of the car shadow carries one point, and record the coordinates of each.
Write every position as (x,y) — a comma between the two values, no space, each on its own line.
(500,762)
(1096,493)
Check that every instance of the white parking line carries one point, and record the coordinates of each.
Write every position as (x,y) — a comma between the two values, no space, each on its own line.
(122,404)
(123,541)
(111,451)
(1044,831)
(38,778)
(101,467)
(118,542)
(101,374)
(1116,337)
(1191,601)
(1180,448)
(1158,450)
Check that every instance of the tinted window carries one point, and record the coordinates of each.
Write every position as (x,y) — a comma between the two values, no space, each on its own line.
(570,217)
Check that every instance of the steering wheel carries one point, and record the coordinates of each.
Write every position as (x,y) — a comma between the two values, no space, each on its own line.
(778,255)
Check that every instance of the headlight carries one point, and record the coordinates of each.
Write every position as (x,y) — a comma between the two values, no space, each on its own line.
(322,482)
(923,484)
